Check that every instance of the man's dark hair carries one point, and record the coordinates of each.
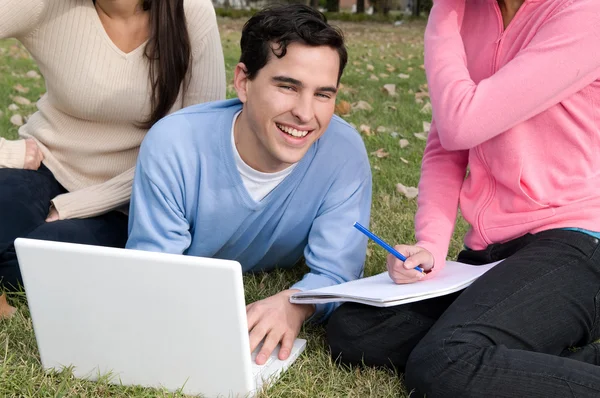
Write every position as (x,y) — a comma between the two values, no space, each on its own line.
(272,29)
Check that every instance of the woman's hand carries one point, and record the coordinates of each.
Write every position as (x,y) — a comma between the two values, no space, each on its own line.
(33,155)
(403,271)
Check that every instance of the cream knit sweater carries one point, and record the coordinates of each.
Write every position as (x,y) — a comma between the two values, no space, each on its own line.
(96,95)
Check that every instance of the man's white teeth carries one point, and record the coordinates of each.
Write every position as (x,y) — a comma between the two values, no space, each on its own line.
(293,131)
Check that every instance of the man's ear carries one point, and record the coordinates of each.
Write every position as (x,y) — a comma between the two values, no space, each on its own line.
(240,81)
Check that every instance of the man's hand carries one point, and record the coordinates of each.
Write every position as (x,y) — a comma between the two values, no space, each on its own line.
(33,155)
(403,271)
(276,320)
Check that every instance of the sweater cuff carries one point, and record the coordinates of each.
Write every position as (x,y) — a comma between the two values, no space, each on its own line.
(12,154)
(85,204)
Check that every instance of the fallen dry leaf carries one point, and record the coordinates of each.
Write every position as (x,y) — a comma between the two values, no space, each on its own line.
(383,75)
(409,192)
(373,77)
(404,76)
(17,120)
(380,153)
(13,107)
(389,89)
(410,69)
(21,100)
(421,136)
(426,108)
(365,129)
(403,143)
(33,74)
(370,67)
(21,89)
(381,129)
(342,108)
(390,69)
(426,127)
(362,106)
(404,160)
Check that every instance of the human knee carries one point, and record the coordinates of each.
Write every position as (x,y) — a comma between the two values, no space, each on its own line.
(438,368)
(344,335)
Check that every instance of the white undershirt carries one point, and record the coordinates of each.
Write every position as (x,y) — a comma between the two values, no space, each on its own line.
(258,184)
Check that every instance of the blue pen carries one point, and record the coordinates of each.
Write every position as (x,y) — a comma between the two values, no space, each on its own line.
(381,243)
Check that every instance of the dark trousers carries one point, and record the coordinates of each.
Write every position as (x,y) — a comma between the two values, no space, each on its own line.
(526,328)
(25,197)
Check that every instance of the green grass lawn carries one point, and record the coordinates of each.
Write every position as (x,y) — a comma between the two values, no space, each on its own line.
(380,54)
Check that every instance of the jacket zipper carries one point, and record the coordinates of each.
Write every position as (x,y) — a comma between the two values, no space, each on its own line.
(479,151)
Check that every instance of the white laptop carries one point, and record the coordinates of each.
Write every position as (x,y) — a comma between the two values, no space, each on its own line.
(151,319)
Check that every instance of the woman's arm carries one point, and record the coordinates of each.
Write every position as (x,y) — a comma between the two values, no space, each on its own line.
(560,60)
(12,154)
(207,70)
(96,199)
(20,17)
(442,176)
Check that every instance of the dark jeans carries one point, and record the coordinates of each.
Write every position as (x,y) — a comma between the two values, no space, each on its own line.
(25,197)
(526,328)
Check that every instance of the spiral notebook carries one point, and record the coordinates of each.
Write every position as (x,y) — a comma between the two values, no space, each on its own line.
(380,291)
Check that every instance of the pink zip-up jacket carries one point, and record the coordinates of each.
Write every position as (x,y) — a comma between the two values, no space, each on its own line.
(519,109)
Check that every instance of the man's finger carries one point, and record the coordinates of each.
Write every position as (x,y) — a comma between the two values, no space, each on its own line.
(273,338)
(257,334)
(287,342)
(252,315)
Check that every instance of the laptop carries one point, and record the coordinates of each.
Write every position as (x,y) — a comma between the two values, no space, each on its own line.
(142,318)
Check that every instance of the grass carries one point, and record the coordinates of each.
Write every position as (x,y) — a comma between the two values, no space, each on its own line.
(381,50)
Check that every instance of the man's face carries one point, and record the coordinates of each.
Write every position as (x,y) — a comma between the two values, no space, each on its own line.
(287,106)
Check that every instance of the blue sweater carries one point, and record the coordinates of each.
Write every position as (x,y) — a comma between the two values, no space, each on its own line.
(188,197)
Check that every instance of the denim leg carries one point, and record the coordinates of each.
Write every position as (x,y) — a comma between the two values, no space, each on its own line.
(508,334)
(106,230)
(360,334)
(24,201)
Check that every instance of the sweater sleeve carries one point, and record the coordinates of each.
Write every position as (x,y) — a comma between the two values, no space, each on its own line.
(12,154)
(560,60)
(207,73)
(19,17)
(157,220)
(442,176)
(96,199)
(336,252)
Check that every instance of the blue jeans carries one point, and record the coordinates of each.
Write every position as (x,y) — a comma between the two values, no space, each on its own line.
(527,328)
(25,197)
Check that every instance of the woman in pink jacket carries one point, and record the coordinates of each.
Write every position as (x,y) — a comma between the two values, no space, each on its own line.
(515,143)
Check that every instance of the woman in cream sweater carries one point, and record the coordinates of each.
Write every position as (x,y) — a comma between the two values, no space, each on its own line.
(112,68)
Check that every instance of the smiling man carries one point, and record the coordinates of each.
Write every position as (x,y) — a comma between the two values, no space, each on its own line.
(267,178)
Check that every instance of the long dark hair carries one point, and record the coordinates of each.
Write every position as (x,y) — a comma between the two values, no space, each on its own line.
(274,28)
(168,52)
